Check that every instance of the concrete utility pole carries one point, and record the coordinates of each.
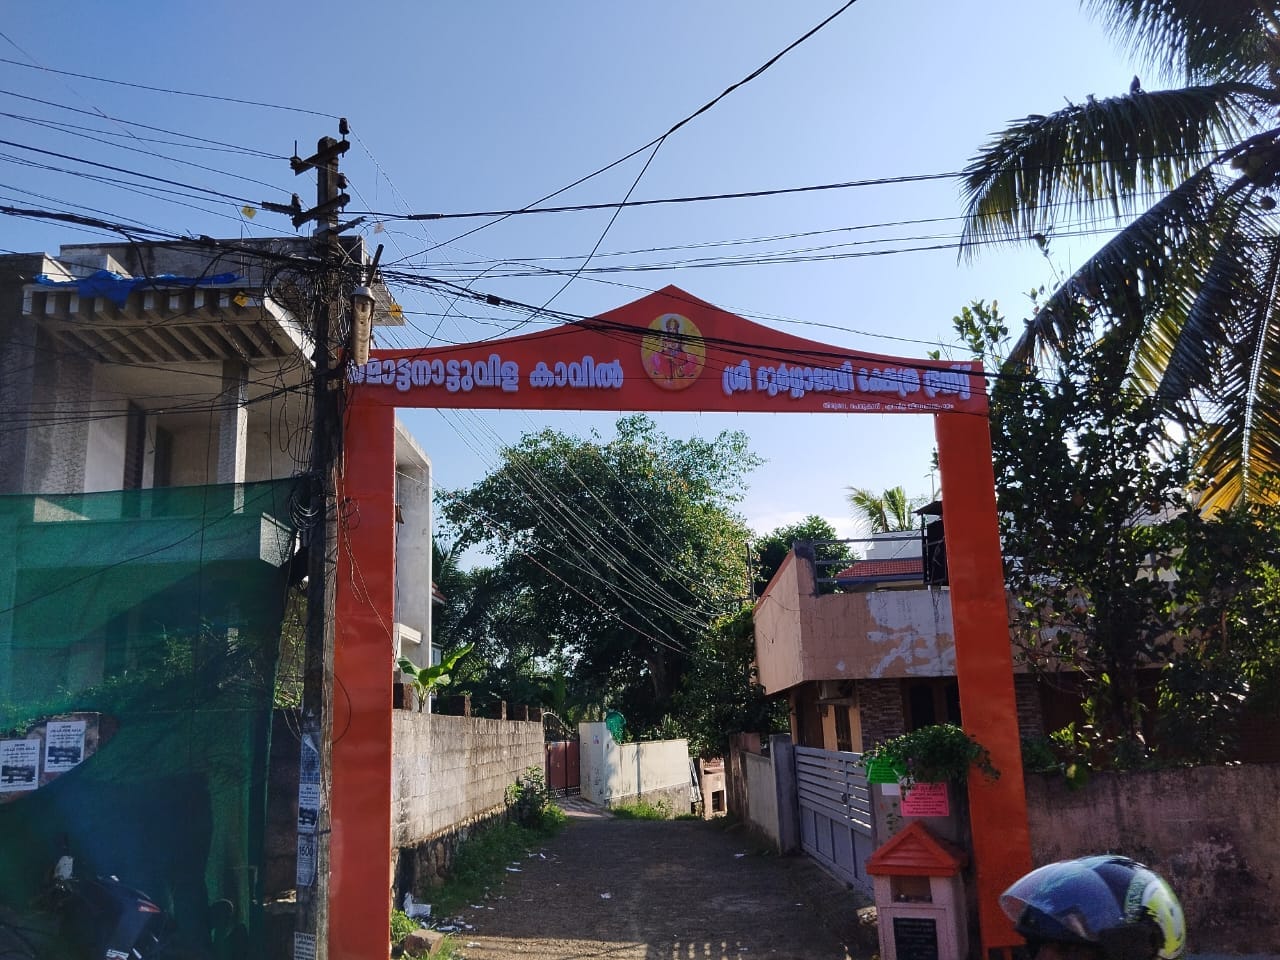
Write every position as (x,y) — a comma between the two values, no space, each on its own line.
(311,928)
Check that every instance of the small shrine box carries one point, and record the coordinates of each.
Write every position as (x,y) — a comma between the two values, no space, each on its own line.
(920,897)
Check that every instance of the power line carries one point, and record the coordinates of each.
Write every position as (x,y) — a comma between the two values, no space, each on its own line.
(132,173)
(167,90)
(198,142)
(145,152)
(678,124)
(699,198)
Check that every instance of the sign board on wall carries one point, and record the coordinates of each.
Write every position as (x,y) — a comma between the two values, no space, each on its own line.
(49,749)
(19,765)
(915,938)
(926,800)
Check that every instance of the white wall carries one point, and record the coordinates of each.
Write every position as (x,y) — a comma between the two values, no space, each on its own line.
(413,544)
(762,795)
(615,773)
(446,771)
(104,458)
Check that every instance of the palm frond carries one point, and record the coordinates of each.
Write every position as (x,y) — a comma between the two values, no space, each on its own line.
(1241,454)
(1107,152)
(1179,352)
(1194,39)
(1133,275)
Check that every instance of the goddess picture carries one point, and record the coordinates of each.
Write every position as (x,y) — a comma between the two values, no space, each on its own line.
(674,352)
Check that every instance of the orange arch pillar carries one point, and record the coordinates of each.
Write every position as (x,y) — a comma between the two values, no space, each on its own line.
(984,665)
(364,608)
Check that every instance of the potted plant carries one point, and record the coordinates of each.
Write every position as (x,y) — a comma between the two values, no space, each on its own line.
(939,753)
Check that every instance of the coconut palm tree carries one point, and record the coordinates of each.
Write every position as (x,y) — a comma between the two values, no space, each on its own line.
(1190,286)
(889,512)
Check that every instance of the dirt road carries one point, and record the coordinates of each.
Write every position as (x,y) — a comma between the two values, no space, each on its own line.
(663,890)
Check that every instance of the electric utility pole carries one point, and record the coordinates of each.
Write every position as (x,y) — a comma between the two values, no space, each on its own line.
(311,927)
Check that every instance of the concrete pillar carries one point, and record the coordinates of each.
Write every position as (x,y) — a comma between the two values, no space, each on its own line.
(783,755)
(594,744)
(18,361)
(233,423)
(57,456)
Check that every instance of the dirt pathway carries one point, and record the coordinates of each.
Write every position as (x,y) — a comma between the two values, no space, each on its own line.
(673,890)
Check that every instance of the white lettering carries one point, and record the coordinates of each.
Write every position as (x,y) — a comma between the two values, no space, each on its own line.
(737,378)
(899,380)
(953,382)
(793,381)
(509,375)
(584,374)
(455,375)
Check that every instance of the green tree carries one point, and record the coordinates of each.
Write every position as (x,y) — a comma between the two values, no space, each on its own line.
(719,694)
(491,610)
(625,551)
(891,511)
(769,551)
(1114,572)
(1186,290)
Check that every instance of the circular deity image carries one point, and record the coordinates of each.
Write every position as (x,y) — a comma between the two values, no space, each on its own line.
(673,351)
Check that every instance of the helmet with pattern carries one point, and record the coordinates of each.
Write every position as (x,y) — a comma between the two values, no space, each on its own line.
(1112,903)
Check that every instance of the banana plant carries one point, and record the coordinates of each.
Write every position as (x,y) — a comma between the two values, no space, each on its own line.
(426,679)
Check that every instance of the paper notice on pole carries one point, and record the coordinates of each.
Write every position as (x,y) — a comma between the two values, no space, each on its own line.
(308,807)
(63,745)
(19,765)
(309,761)
(308,788)
(306,859)
(304,946)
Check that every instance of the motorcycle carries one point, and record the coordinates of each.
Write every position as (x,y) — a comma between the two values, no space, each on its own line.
(106,920)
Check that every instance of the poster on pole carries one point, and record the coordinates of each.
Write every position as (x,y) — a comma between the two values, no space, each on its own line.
(304,946)
(308,786)
(307,853)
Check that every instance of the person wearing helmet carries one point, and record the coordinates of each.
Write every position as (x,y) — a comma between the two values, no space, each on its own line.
(1096,908)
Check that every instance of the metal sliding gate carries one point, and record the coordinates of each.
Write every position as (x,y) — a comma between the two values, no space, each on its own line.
(563,767)
(835,812)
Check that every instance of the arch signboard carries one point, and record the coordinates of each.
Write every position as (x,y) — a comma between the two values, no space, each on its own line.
(667,351)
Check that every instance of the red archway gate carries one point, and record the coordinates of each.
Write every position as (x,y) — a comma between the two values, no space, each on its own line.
(667,351)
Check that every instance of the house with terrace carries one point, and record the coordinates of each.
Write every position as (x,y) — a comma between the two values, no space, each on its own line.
(154,508)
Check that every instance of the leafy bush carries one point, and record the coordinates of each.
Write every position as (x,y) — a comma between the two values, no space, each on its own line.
(933,754)
(528,799)
(642,810)
(425,680)
(1038,755)
(401,926)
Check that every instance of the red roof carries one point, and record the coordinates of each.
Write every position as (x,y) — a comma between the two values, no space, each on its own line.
(882,569)
(916,852)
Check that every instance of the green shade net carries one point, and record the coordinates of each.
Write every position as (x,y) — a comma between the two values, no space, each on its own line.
(154,617)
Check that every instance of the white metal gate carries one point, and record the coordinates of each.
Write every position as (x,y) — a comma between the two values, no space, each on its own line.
(835,812)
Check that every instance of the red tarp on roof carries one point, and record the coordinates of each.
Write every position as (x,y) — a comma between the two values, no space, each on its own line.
(882,569)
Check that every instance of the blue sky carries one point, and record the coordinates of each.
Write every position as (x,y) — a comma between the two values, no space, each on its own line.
(475,106)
